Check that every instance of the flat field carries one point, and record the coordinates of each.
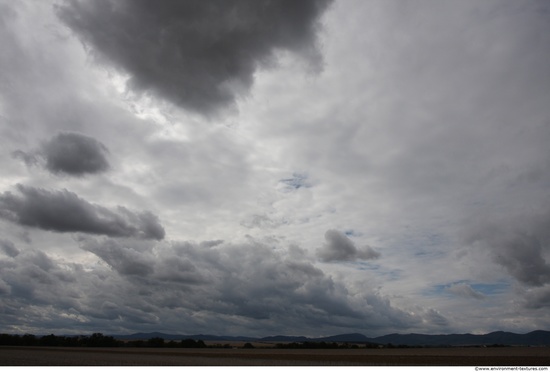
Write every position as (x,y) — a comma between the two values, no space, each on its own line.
(59,356)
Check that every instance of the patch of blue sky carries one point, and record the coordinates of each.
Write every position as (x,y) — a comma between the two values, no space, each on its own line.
(429,253)
(489,289)
(352,233)
(437,290)
(486,289)
(297,181)
(393,274)
(420,244)
(382,273)
(365,265)
(436,239)
(430,245)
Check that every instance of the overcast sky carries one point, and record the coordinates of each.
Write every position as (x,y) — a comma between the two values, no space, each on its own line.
(259,168)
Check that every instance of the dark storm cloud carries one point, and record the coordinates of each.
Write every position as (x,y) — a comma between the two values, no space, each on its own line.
(34,280)
(520,245)
(538,298)
(190,287)
(33,275)
(522,256)
(86,299)
(75,154)
(64,211)
(339,247)
(68,153)
(219,285)
(197,54)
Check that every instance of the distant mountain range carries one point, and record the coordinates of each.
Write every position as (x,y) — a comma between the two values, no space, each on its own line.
(535,338)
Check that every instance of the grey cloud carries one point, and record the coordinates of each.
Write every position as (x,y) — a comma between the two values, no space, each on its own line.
(124,260)
(197,54)
(64,211)
(177,269)
(522,256)
(75,154)
(68,153)
(4,288)
(191,286)
(41,260)
(211,243)
(29,159)
(519,244)
(339,247)
(55,295)
(262,221)
(34,277)
(266,284)
(9,248)
(435,317)
(465,290)
(131,257)
(137,316)
(538,298)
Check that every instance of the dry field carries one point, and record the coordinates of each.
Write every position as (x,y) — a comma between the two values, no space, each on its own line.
(57,356)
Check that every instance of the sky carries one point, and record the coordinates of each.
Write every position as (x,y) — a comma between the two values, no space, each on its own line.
(278,167)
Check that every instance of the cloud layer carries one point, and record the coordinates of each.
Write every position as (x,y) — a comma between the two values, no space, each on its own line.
(181,286)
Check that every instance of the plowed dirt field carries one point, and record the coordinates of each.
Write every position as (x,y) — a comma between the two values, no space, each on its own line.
(57,356)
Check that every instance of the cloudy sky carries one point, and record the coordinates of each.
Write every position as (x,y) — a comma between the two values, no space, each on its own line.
(274,167)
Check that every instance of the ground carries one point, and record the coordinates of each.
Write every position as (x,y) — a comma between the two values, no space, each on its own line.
(52,356)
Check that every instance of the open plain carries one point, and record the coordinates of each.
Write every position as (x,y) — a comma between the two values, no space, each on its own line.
(59,356)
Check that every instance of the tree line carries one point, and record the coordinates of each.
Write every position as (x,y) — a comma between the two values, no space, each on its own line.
(95,340)
(316,345)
